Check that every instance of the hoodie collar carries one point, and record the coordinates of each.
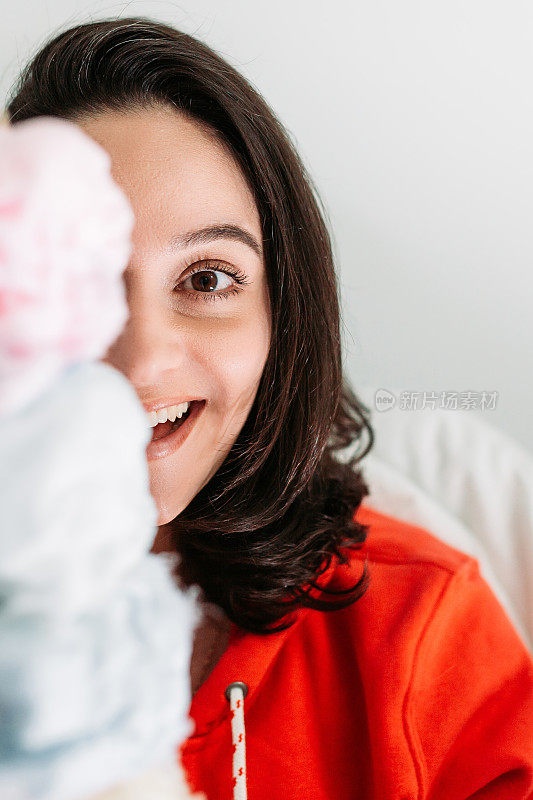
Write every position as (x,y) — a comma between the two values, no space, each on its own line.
(247,658)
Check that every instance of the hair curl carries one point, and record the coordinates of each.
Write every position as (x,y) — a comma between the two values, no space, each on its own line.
(259,534)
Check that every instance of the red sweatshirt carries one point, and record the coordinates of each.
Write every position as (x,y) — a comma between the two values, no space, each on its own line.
(420,689)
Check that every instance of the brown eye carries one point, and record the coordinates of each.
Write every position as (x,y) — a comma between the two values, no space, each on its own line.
(205,282)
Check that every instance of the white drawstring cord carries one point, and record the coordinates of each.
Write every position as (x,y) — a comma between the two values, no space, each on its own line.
(236,692)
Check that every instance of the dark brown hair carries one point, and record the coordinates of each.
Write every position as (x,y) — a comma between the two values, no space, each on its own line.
(260,533)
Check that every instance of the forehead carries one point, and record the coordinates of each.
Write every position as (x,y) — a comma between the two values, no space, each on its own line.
(177,174)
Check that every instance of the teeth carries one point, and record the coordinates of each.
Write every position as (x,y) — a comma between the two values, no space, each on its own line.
(170,413)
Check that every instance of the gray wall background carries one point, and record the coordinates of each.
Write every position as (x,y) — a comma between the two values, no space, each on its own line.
(415,119)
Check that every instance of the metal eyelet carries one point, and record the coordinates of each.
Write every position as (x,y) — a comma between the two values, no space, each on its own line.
(238,684)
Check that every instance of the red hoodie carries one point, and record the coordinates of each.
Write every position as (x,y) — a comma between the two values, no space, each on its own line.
(422,689)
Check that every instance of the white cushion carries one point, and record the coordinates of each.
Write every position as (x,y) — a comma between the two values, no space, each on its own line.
(465,481)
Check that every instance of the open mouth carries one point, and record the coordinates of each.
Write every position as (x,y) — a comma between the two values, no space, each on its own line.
(168,436)
(163,429)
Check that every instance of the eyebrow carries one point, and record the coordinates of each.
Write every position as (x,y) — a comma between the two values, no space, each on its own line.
(213,232)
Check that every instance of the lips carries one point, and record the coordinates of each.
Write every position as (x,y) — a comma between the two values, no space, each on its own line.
(156,405)
(176,434)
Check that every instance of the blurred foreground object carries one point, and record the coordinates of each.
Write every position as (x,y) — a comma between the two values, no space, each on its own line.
(96,637)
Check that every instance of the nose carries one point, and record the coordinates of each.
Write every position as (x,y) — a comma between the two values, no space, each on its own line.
(149,347)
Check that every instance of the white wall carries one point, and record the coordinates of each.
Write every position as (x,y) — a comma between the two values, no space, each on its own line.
(416,120)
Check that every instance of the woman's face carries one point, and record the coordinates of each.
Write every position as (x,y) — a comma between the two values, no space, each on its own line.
(187,336)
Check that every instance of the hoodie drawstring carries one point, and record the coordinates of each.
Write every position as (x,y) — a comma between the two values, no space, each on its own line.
(235,693)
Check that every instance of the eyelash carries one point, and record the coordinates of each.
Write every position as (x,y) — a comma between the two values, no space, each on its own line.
(238,276)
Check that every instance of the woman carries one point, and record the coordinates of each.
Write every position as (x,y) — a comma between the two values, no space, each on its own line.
(362,657)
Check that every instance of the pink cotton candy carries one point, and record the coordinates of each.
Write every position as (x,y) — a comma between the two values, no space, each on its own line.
(65,239)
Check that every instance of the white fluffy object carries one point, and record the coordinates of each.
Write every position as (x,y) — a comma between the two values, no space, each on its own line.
(96,637)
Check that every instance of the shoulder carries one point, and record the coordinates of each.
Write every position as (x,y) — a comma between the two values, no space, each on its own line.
(402,560)
(438,653)
(419,584)
(393,541)
(411,574)
(426,603)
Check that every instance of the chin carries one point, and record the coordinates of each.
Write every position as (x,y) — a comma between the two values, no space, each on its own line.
(166,515)
(164,519)
(168,512)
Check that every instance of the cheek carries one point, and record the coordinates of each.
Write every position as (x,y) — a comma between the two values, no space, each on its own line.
(235,359)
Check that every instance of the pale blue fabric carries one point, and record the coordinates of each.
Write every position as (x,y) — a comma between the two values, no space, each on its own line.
(95,636)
